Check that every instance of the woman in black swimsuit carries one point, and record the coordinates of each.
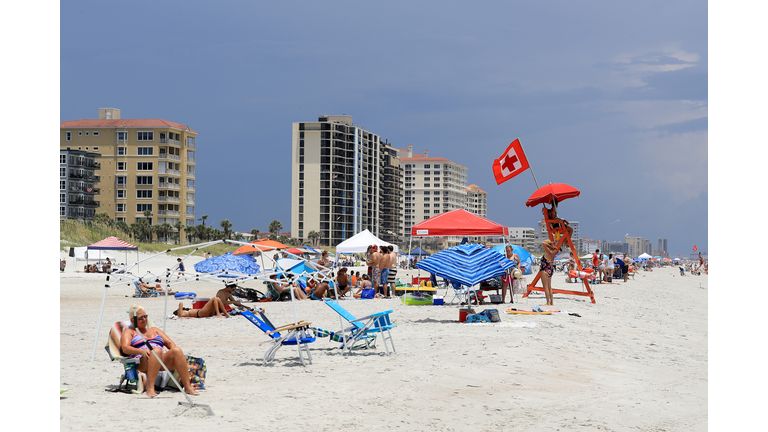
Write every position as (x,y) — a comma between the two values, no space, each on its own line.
(214,306)
(546,269)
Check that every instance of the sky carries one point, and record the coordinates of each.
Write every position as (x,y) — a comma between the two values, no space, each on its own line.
(609,97)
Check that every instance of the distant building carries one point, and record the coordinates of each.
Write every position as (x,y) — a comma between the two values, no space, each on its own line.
(145,164)
(344,179)
(589,246)
(77,177)
(662,247)
(523,237)
(432,185)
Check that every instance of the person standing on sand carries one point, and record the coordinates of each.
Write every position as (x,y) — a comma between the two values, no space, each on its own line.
(392,279)
(181,267)
(506,279)
(609,267)
(374,262)
(546,270)
(595,261)
(601,267)
(384,264)
(625,267)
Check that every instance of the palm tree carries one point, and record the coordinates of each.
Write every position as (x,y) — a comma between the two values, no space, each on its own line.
(275,227)
(179,226)
(203,218)
(282,239)
(226,224)
(238,236)
(255,233)
(314,236)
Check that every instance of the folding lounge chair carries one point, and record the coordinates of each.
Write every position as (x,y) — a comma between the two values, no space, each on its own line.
(298,335)
(276,295)
(131,374)
(141,294)
(365,326)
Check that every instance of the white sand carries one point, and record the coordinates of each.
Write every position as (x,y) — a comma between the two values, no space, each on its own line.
(635,360)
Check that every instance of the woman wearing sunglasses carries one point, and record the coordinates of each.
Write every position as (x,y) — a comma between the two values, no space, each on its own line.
(134,345)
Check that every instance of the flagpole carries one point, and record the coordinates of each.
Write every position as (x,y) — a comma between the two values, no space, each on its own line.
(529,164)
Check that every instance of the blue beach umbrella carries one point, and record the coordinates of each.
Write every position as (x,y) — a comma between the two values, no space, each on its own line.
(468,264)
(243,264)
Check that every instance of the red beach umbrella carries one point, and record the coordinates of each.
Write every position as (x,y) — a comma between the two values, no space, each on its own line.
(545,194)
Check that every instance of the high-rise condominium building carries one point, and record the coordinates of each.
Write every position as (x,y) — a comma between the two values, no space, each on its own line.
(662,247)
(77,179)
(477,201)
(145,164)
(344,180)
(432,185)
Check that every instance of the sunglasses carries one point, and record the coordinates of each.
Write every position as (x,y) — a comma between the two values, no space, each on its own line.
(142,317)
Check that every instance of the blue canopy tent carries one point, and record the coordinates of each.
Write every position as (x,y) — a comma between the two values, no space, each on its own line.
(468,264)
(526,259)
(419,252)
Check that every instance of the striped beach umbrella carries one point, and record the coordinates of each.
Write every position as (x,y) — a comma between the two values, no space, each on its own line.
(468,264)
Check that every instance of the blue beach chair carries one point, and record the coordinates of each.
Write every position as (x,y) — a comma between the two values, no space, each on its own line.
(364,327)
(297,335)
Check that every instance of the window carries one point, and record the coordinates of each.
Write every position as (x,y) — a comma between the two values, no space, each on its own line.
(86,133)
(190,210)
(62,172)
(121,166)
(426,192)
(121,180)
(436,199)
(122,136)
(191,156)
(191,184)
(190,222)
(62,211)
(79,133)
(62,198)
(62,158)
(69,135)
(145,151)
(426,178)
(145,136)
(121,194)
(426,205)
(144,193)
(120,207)
(191,141)
(95,149)
(426,184)
(95,133)
(121,151)
(437,166)
(437,185)
(426,199)
(144,166)
(143,180)
(141,208)
(120,219)
(62,185)
(426,173)
(426,166)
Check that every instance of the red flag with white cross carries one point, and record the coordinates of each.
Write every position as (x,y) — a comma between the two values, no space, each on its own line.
(511,163)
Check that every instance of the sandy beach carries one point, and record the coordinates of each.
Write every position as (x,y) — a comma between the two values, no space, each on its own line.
(630,362)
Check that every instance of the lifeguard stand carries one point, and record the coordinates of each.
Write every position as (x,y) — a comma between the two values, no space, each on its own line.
(559,235)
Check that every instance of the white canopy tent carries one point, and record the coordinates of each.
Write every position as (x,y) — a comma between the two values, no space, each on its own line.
(359,243)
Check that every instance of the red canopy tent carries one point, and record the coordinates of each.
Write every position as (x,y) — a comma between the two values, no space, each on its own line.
(458,223)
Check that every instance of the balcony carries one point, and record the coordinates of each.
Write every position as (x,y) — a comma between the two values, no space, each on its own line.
(85,177)
(191,175)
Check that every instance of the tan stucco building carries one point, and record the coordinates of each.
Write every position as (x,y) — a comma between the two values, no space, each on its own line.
(145,164)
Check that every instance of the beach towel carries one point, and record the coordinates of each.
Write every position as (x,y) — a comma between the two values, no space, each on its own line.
(368,293)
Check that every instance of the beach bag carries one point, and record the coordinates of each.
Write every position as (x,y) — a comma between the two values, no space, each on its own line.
(368,293)
(491,314)
(197,372)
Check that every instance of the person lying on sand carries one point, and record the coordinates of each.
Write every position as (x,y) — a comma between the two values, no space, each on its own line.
(214,306)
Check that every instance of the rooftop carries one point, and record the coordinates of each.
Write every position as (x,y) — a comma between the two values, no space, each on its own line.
(124,123)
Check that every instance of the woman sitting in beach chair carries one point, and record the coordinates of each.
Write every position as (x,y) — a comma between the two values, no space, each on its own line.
(135,345)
